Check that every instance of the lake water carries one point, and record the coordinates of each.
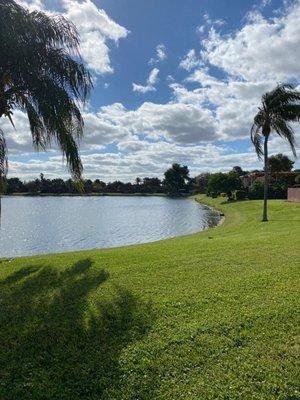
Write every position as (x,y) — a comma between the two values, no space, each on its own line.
(38,225)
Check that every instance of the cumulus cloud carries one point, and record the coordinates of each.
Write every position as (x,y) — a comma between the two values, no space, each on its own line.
(139,158)
(151,82)
(18,137)
(204,78)
(95,27)
(251,61)
(175,122)
(262,49)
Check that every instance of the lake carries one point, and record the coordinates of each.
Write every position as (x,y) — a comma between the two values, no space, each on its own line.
(39,225)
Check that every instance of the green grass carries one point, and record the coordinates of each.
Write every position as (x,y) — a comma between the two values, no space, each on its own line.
(213,315)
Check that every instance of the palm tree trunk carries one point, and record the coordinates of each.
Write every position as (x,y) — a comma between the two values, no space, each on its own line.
(0,198)
(266,180)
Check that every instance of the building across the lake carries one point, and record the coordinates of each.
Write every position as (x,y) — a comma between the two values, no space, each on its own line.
(249,179)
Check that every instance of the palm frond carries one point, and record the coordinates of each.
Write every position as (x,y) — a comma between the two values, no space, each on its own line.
(279,107)
(283,94)
(257,138)
(3,157)
(290,112)
(285,131)
(39,75)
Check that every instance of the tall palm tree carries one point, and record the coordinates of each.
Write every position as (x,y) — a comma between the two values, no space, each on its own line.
(278,109)
(42,75)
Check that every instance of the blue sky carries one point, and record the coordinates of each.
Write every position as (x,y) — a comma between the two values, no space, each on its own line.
(175,81)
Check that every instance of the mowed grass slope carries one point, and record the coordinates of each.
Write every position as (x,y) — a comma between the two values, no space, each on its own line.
(213,315)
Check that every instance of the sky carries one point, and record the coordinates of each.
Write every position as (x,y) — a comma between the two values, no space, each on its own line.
(174,81)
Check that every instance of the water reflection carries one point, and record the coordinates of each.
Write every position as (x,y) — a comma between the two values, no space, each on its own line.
(37,225)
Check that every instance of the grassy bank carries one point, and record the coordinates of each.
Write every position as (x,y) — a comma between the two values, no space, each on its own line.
(209,316)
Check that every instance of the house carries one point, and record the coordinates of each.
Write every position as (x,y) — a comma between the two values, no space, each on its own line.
(286,177)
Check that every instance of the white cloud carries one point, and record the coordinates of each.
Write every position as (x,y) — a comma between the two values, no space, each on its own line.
(151,82)
(139,158)
(18,138)
(161,54)
(262,49)
(252,60)
(176,122)
(234,103)
(208,22)
(190,61)
(95,27)
(204,78)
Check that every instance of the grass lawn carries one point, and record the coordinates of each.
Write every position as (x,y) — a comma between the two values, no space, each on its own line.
(213,315)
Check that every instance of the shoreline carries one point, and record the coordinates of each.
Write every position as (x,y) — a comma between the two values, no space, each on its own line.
(211,208)
(28,194)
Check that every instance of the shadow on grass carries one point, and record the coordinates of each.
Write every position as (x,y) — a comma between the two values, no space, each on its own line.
(58,342)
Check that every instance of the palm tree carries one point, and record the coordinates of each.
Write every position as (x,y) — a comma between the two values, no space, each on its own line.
(42,75)
(279,108)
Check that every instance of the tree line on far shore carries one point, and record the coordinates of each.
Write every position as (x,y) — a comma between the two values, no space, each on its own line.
(177,181)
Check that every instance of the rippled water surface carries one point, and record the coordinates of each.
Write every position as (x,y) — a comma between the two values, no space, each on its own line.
(37,225)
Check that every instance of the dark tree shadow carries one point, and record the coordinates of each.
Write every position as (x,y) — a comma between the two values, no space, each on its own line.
(58,342)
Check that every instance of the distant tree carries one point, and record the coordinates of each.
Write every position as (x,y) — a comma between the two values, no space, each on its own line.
(280,163)
(88,186)
(239,171)
(127,187)
(200,182)
(70,186)
(99,186)
(223,183)
(176,178)
(44,186)
(151,185)
(58,186)
(279,108)
(14,185)
(33,186)
(115,187)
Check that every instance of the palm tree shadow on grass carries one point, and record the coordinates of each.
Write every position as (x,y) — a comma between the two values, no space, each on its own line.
(57,342)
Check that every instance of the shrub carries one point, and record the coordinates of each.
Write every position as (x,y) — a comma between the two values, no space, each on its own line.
(278,191)
(223,183)
(257,191)
(297,179)
(241,194)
